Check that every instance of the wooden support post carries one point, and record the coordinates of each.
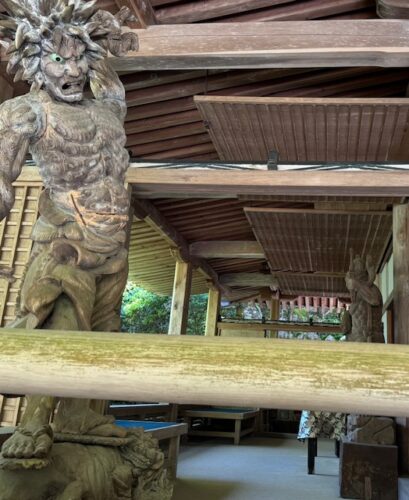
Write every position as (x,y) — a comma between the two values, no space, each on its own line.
(213,306)
(349,377)
(401,308)
(180,299)
(274,312)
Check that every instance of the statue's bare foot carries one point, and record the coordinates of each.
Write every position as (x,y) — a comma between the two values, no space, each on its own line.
(26,444)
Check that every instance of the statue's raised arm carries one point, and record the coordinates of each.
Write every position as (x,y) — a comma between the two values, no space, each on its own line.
(20,122)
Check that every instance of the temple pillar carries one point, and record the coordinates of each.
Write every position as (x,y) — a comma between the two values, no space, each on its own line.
(180,298)
(401,308)
(212,314)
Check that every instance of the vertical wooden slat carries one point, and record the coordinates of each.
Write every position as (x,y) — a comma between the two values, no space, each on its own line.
(180,299)
(213,305)
(401,308)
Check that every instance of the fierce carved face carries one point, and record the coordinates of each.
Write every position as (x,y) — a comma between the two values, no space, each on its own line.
(64,67)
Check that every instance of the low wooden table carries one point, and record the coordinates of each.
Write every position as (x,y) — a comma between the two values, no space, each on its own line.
(236,414)
(169,432)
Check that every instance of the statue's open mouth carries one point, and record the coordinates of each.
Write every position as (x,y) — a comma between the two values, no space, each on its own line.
(73,87)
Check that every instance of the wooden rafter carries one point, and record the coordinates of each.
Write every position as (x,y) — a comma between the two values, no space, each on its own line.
(290,44)
(146,211)
(251,280)
(227,250)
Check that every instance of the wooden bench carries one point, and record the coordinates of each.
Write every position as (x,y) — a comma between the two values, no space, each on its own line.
(142,411)
(167,433)
(238,415)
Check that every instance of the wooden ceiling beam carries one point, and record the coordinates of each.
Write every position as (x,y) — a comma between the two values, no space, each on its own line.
(195,11)
(180,183)
(227,250)
(146,211)
(282,44)
(250,280)
(142,10)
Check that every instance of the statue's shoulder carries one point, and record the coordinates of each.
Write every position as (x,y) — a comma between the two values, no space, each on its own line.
(24,114)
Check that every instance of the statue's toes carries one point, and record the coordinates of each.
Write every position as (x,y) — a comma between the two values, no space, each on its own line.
(43,445)
(27,450)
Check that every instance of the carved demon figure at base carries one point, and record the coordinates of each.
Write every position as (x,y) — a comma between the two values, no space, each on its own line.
(78,266)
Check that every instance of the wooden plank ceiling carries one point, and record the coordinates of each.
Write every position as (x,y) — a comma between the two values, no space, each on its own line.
(317,241)
(300,129)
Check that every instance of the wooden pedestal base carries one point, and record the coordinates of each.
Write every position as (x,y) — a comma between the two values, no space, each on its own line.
(368,471)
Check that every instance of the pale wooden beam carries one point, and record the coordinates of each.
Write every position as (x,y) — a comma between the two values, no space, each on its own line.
(349,377)
(248,280)
(216,184)
(401,306)
(285,44)
(142,10)
(212,313)
(179,310)
(227,250)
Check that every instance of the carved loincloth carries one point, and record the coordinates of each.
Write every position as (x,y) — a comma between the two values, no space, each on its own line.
(70,258)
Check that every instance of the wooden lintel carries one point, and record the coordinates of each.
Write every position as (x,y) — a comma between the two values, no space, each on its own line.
(285,44)
(350,377)
(227,249)
(278,326)
(249,280)
(216,184)
(142,10)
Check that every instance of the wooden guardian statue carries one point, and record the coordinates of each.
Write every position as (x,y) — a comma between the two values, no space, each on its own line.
(78,266)
(363,321)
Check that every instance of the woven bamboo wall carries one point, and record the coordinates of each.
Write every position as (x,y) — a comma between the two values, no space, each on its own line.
(15,247)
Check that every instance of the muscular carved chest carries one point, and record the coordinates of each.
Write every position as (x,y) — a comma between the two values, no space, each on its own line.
(80,145)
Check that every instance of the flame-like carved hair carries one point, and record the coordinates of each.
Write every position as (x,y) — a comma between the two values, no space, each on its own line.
(36,24)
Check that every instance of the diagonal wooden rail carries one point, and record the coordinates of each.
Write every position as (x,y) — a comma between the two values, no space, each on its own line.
(349,377)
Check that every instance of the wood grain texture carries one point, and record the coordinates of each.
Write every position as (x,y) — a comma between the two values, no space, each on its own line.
(141,9)
(214,184)
(303,129)
(212,313)
(349,377)
(179,310)
(290,44)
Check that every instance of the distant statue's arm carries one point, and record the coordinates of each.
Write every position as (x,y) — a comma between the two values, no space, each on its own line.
(370,294)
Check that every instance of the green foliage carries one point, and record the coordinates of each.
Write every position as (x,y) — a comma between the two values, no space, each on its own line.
(143,311)
(146,312)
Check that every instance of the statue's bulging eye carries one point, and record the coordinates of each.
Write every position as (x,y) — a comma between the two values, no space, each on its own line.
(57,58)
